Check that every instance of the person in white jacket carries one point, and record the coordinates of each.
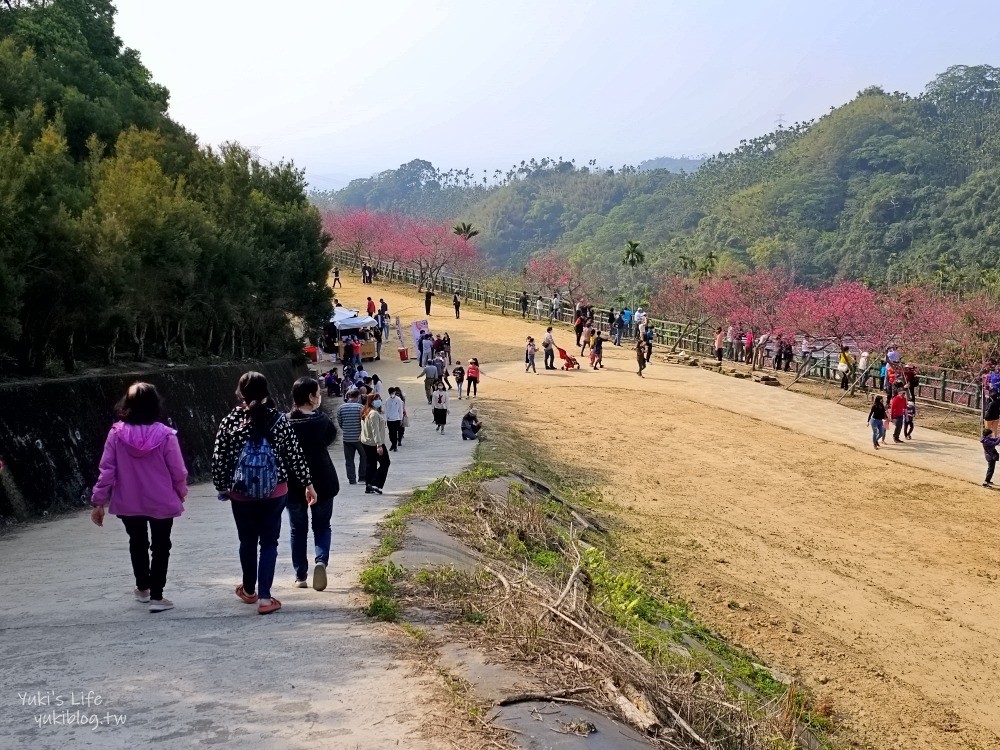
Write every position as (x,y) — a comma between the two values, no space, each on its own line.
(393,409)
(374,436)
(439,404)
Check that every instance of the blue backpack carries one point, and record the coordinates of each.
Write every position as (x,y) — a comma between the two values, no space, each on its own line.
(256,473)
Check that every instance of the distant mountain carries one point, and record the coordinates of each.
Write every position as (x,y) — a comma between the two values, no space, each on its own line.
(673,163)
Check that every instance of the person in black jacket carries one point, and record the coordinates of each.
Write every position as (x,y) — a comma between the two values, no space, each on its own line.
(991,414)
(316,433)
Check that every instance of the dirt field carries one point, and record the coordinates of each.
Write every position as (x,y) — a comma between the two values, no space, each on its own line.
(871,576)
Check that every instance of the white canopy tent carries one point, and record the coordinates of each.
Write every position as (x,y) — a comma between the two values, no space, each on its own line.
(356,322)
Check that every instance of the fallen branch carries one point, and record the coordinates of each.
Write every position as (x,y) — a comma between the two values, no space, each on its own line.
(644,720)
(499,577)
(686,727)
(530,697)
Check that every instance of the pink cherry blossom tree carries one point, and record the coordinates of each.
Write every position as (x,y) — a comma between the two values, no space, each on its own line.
(360,233)
(684,301)
(434,247)
(558,274)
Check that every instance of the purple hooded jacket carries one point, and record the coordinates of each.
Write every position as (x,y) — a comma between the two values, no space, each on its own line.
(142,472)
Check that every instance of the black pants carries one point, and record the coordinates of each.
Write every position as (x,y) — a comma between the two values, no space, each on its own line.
(472,386)
(550,358)
(427,307)
(378,466)
(718,354)
(898,422)
(579,333)
(456,311)
(350,448)
(991,464)
(395,431)
(908,427)
(149,575)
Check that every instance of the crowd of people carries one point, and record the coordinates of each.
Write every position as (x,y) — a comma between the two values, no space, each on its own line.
(266,462)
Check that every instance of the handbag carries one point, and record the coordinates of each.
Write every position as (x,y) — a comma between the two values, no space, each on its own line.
(842,367)
(406,419)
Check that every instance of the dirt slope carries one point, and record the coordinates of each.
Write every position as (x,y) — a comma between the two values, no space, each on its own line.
(871,575)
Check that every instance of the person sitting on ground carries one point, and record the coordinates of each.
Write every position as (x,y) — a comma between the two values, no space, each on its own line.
(471,425)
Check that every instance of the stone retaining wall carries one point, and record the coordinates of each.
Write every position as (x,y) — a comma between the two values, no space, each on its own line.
(52,432)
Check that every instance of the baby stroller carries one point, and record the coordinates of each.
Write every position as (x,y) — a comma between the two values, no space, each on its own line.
(569,361)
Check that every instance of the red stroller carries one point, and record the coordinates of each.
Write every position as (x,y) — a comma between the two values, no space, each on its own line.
(569,361)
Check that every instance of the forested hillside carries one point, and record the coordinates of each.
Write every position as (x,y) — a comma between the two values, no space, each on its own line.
(119,235)
(886,188)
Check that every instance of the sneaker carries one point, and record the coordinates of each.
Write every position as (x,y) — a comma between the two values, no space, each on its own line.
(369,490)
(377,490)
(141,596)
(987,484)
(319,576)
(160,605)
(300,584)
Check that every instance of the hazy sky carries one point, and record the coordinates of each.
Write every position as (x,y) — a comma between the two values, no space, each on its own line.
(346,89)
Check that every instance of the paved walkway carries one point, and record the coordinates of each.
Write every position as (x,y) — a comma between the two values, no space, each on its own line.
(212,672)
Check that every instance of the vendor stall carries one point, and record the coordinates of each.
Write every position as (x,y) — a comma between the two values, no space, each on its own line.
(348,324)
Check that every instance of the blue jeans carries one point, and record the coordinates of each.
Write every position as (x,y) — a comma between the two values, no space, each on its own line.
(878,430)
(298,521)
(258,522)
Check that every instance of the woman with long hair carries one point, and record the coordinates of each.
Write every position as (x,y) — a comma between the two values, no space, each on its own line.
(256,452)
(876,419)
(439,406)
(143,481)
(374,436)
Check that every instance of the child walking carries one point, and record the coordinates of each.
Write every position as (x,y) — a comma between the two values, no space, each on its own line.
(143,481)
(459,374)
(529,355)
(908,417)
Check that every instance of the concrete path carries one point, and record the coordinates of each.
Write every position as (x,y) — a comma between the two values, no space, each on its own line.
(953,456)
(212,672)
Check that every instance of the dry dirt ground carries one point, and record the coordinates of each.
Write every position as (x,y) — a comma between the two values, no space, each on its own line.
(871,576)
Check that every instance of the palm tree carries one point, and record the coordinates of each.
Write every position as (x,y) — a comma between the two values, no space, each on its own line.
(465,229)
(633,256)
(707,266)
(686,262)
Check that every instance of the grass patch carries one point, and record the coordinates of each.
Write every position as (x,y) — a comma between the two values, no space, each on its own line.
(383,608)
(377,578)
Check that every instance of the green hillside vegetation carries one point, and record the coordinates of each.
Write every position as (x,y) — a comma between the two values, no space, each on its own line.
(886,188)
(118,233)
(673,163)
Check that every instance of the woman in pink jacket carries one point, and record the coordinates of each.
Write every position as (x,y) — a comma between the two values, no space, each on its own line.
(144,478)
